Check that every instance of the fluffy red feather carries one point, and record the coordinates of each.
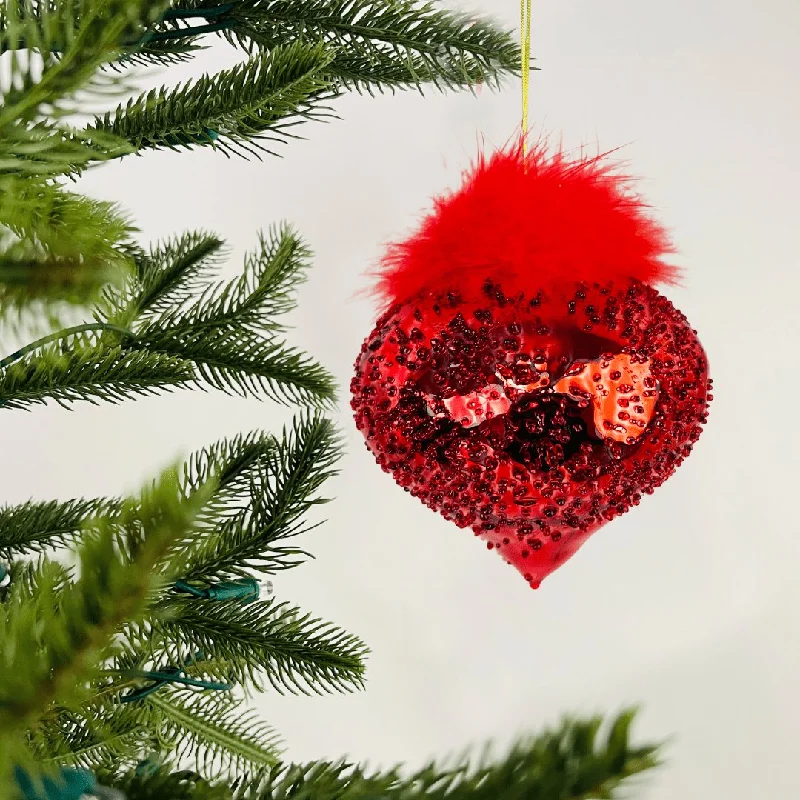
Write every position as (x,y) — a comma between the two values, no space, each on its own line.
(529,221)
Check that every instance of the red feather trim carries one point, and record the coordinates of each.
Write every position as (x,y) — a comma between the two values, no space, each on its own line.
(528,229)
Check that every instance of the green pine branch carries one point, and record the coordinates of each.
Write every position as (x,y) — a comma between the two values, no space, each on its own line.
(26,576)
(385,44)
(233,463)
(407,26)
(281,478)
(241,363)
(180,784)
(159,54)
(248,646)
(169,325)
(171,273)
(58,633)
(227,539)
(226,331)
(46,149)
(215,731)
(378,44)
(264,641)
(84,739)
(56,640)
(73,40)
(569,763)
(56,245)
(34,525)
(238,109)
(236,465)
(266,290)
(576,761)
(90,372)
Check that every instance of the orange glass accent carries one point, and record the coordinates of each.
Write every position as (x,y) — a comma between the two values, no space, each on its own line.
(623,393)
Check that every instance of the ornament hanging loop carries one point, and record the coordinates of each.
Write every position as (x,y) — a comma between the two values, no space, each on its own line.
(525,41)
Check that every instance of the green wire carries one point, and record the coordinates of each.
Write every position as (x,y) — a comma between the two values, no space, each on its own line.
(171,675)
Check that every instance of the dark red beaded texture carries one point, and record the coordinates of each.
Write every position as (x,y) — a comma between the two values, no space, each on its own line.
(532,420)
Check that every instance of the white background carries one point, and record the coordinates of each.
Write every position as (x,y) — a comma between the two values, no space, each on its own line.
(688,604)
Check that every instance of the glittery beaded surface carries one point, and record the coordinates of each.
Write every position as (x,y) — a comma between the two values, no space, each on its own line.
(532,419)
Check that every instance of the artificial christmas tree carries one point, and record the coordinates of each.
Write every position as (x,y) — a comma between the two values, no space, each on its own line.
(135,662)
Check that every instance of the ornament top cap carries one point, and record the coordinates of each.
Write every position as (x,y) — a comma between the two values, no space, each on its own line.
(529,221)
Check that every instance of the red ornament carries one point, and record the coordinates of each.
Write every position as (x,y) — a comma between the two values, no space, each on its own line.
(526,380)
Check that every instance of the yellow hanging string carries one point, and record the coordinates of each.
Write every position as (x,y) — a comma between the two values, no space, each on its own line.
(525,36)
